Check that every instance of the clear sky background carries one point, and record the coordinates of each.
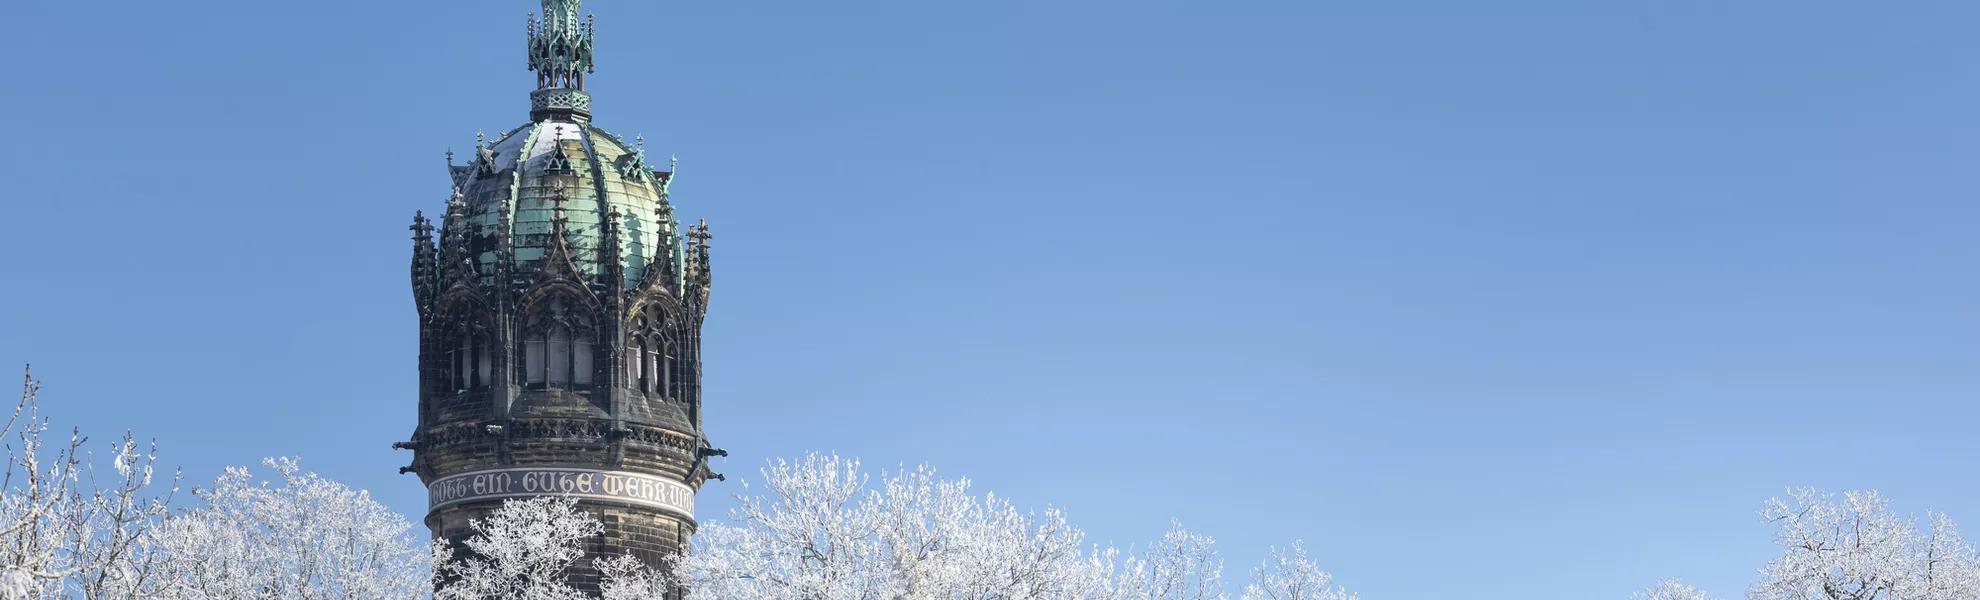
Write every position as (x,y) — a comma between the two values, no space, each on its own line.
(1529,299)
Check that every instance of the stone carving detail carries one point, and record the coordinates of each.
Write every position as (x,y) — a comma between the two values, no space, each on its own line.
(560,46)
(463,432)
(525,482)
(560,99)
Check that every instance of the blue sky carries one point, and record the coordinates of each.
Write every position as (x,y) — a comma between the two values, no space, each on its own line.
(1527,298)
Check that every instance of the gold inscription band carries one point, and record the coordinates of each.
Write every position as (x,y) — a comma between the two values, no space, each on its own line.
(527,482)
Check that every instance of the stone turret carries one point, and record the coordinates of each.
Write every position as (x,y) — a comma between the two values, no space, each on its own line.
(560,312)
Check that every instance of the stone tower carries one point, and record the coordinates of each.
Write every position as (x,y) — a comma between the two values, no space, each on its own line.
(560,311)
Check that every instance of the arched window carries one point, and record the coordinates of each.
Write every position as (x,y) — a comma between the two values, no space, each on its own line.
(650,356)
(470,360)
(559,350)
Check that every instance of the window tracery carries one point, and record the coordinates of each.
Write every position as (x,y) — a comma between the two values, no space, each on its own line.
(652,356)
(470,356)
(559,350)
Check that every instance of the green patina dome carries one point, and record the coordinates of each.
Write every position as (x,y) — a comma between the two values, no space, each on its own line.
(521,175)
(560,187)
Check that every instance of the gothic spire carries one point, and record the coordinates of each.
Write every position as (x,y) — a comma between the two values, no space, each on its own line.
(611,262)
(698,259)
(698,279)
(560,259)
(424,262)
(457,260)
(505,254)
(560,46)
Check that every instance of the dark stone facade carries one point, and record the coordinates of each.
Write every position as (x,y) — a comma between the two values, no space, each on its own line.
(480,410)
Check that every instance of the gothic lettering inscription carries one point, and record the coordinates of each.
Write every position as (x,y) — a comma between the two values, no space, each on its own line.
(526,482)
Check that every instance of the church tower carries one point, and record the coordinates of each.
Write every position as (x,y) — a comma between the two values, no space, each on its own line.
(560,309)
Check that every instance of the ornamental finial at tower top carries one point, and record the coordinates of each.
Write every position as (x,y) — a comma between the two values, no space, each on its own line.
(560,46)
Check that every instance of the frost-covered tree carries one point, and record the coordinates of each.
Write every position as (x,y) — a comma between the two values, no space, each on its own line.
(1289,575)
(626,578)
(1854,549)
(522,551)
(1182,566)
(309,538)
(820,532)
(1857,549)
(813,537)
(70,531)
(67,530)
(1670,589)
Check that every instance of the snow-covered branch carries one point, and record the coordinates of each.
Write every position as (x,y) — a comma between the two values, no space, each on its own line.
(819,532)
(67,531)
(309,538)
(1670,589)
(520,552)
(1854,548)
(1858,549)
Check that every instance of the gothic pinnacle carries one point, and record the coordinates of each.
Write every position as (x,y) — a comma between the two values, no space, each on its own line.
(560,46)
